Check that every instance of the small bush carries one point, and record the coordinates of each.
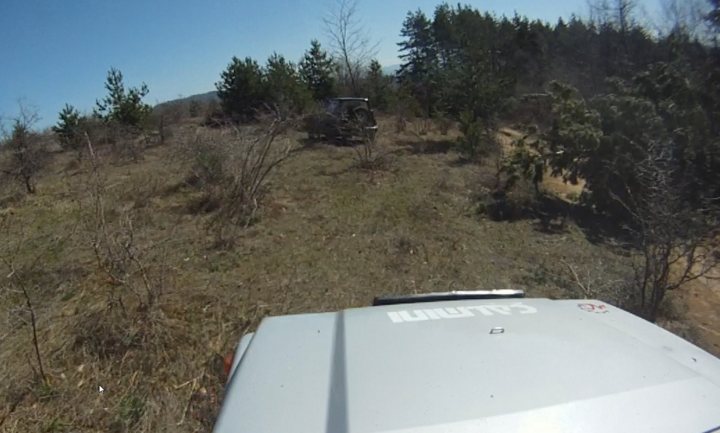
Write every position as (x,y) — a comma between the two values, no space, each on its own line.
(27,155)
(69,130)
(207,158)
(126,142)
(400,124)
(504,196)
(500,205)
(132,407)
(194,108)
(478,138)
(423,127)
(443,123)
(367,156)
(107,335)
(111,234)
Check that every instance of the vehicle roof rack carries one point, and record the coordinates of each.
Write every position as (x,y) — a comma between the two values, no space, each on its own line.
(448,296)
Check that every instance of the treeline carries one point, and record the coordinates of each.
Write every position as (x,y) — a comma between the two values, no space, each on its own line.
(462,59)
(285,88)
(624,92)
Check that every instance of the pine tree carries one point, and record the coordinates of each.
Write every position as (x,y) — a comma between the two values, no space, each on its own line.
(120,105)
(444,34)
(68,129)
(420,66)
(316,71)
(377,86)
(241,88)
(285,91)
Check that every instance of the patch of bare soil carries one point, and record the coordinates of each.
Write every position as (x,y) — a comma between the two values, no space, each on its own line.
(702,301)
(551,184)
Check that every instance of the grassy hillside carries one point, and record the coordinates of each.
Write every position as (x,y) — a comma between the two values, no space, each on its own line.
(329,236)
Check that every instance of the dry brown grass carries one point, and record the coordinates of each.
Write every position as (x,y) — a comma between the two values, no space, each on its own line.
(328,237)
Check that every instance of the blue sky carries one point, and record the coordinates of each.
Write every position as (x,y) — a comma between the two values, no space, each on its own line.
(56,51)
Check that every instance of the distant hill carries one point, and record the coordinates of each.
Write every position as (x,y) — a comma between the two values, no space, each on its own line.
(200,97)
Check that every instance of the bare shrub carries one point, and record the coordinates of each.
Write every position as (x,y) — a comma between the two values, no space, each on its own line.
(22,266)
(96,130)
(674,237)
(598,279)
(116,251)
(423,126)
(443,123)
(26,153)
(207,156)
(127,142)
(212,113)
(367,155)
(194,108)
(19,284)
(141,189)
(232,167)
(400,124)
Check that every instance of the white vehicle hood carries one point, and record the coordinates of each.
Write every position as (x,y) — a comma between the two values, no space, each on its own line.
(512,365)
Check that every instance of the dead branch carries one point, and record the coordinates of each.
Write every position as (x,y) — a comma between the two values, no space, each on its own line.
(586,289)
(33,320)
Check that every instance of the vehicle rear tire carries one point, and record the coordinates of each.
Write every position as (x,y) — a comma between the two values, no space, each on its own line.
(362,117)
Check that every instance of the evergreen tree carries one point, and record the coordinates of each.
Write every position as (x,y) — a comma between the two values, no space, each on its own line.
(284,89)
(68,129)
(602,141)
(444,34)
(125,107)
(241,88)
(377,86)
(420,67)
(316,71)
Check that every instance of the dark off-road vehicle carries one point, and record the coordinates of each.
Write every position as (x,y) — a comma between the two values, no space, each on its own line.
(342,118)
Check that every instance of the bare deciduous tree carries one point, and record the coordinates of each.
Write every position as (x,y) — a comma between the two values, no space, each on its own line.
(618,13)
(674,236)
(349,41)
(685,17)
